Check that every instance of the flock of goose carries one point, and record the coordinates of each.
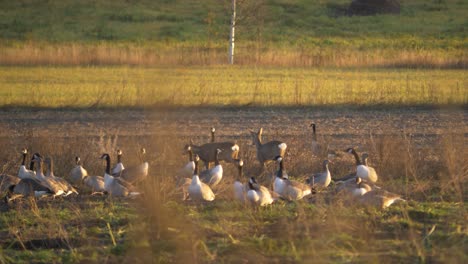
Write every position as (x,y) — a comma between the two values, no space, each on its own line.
(34,182)
(197,184)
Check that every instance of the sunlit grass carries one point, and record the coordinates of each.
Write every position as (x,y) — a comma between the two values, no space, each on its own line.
(227,86)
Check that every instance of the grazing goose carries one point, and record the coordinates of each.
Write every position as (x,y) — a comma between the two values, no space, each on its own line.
(214,175)
(258,194)
(240,189)
(288,189)
(321,179)
(115,186)
(136,174)
(119,167)
(213,134)
(268,151)
(362,170)
(66,186)
(206,152)
(78,173)
(198,190)
(23,172)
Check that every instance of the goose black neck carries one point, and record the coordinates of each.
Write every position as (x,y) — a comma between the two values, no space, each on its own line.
(241,172)
(280,171)
(190,153)
(212,136)
(216,158)
(24,159)
(31,165)
(108,164)
(195,171)
(356,157)
(251,187)
(364,161)
(313,129)
(119,158)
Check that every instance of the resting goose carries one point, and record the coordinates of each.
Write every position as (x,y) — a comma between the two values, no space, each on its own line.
(95,183)
(322,179)
(27,188)
(23,172)
(214,175)
(240,189)
(375,197)
(6,182)
(288,189)
(56,188)
(362,170)
(258,194)
(136,174)
(78,173)
(115,186)
(119,167)
(66,186)
(198,190)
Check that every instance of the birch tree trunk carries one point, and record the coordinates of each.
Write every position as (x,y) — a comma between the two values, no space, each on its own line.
(231,36)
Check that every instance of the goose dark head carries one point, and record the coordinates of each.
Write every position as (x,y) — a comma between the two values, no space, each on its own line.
(105,156)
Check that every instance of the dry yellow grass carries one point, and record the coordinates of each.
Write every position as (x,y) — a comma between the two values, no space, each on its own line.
(227,86)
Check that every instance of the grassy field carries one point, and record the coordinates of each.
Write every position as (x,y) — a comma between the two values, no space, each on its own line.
(427,34)
(53,87)
(159,227)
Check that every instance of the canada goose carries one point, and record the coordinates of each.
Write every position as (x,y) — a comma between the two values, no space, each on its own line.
(198,190)
(268,151)
(371,173)
(23,172)
(206,152)
(56,188)
(286,188)
(27,188)
(6,181)
(240,189)
(321,179)
(119,167)
(66,186)
(362,170)
(113,185)
(258,194)
(95,183)
(214,175)
(138,173)
(187,170)
(213,134)
(78,173)
(377,197)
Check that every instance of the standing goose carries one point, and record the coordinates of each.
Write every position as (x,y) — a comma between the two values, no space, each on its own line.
(78,173)
(316,147)
(198,190)
(372,174)
(66,186)
(119,167)
(288,189)
(214,175)
(187,170)
(240,189)
(23,172)
(322,179)
(113,185)
(138,173)
(362,170)
(258,194)
(267,151)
